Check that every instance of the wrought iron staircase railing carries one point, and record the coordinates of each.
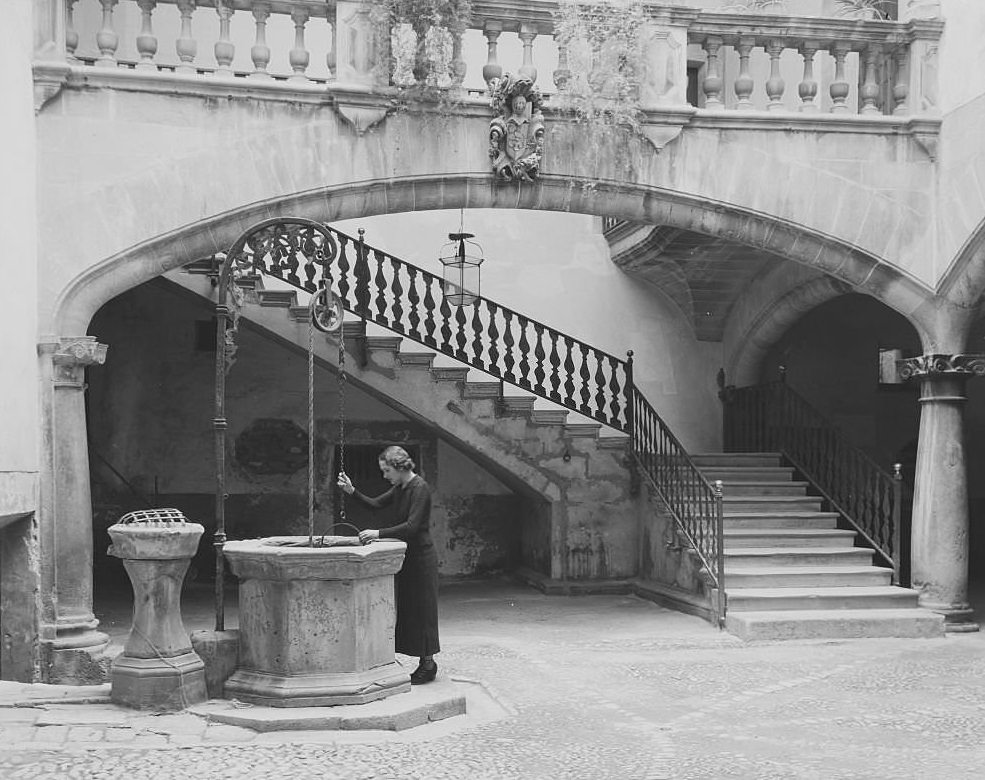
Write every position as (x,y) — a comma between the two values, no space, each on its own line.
(772,417)
(493,338)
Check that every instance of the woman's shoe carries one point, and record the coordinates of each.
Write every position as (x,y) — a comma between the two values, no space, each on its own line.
(424,673)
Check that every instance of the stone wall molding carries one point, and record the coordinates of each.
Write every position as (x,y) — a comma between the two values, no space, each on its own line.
(936,365)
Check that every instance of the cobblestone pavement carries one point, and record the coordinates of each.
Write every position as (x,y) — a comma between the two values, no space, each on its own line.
(588,687)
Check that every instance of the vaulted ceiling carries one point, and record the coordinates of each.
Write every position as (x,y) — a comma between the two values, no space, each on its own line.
(703,275)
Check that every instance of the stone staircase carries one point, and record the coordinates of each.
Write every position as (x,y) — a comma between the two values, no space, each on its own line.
(791,572)
(574,468)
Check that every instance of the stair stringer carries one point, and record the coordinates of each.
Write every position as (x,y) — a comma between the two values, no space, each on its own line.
(578,487)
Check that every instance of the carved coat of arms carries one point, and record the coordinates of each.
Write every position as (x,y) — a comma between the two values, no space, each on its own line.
(516,136)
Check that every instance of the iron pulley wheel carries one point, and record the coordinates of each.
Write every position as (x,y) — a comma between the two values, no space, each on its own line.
(326,311)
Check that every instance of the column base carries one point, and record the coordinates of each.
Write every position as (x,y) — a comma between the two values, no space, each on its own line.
(77,659)
(317,690)
(958,618)
(162,684)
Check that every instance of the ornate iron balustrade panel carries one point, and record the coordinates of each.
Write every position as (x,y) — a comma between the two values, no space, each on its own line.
(773,418)
(695,504)
(407,299)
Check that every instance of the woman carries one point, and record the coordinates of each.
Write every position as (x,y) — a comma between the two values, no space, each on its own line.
(417,580)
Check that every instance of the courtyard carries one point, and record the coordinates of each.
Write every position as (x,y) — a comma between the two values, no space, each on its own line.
(593,687)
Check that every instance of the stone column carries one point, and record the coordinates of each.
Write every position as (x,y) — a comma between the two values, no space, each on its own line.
(72,642)
(939,557)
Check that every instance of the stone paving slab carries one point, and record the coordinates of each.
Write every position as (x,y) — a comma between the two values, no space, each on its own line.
(421,705)
(587,687)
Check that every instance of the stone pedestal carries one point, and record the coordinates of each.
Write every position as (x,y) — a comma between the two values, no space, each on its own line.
(158,668)
(316,624)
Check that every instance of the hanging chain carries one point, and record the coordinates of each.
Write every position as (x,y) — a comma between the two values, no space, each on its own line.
(342,381)
(311,420)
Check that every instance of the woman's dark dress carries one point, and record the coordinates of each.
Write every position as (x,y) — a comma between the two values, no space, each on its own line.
(417,580)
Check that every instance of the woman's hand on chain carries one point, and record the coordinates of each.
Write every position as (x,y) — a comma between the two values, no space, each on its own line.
(345,483)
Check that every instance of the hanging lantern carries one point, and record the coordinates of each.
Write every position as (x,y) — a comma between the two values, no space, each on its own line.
(461,259)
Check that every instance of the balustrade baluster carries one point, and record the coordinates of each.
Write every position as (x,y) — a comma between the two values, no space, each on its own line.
(477,331)
(524,345)
(599,385)
(712,84)
(461,322)
(539,355)
(493,332)
(839,88)
(106,39)
(527,34)
(555,361)
(343,272)
(446,331)
(299,56)
(146,40)
(260,52)
(901,89)
(492,71)
(614,407)
(509,359)
(808,87)
(224,49)
(331,55)
(743,82)
(362,275)
(185,45)
(586,378)
(459,68)
(414,298)
(71,34)
(396,293)
(562,74)
(869,92)
(569,370)
(429,322)
(380,281)
(775,84)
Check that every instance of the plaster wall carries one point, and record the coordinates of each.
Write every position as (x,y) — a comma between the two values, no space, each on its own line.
(18,307)
(150,411)
(150,164)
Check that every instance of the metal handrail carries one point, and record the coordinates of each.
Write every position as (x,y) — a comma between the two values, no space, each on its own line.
(694,503)
(772,417)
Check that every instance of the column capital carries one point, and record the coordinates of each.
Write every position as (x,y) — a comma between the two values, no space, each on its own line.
(79,351)
(933,366)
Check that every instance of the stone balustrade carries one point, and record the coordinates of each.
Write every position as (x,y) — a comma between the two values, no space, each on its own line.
(697,60)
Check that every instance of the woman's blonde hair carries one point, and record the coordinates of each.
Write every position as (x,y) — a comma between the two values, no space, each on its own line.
(397,458)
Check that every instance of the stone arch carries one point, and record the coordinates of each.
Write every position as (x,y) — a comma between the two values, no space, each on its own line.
(860,270)
(964,281)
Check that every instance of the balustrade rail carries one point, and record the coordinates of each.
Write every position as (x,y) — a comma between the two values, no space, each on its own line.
(409,300)
(773,418)
(695,504)
(717,61)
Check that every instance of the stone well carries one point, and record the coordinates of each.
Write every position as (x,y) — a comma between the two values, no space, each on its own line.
(316,624)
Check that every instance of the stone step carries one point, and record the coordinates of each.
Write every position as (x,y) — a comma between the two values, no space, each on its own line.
(449,374)
(518,405)
(277,298)
(753,520)
(613,442)
(481,390)
(762,488)
(745,557)
(734,459)
(416,360)
(748,473)
(770,504)
(813,598)
(835,624)
(384,343)
(807,576)
(549,416)
(736,538)
(298,313)
(582,430)
(351,328)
